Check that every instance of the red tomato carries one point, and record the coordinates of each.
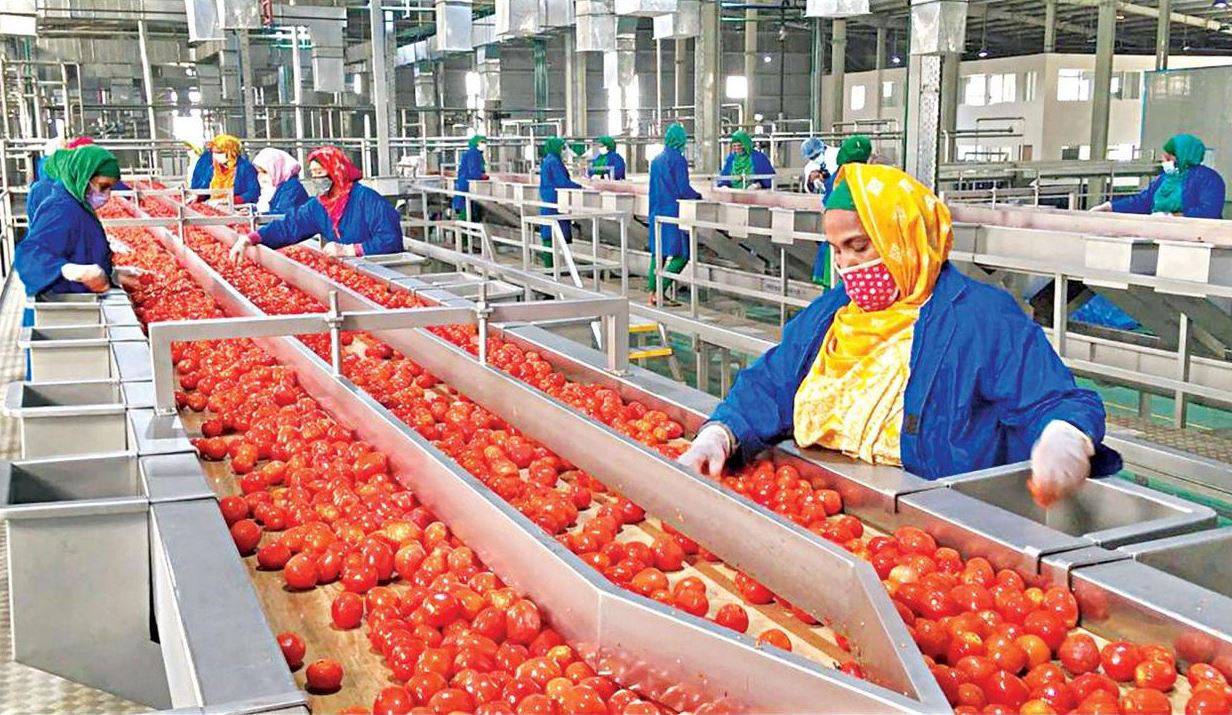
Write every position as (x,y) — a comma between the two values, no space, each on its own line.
(233,509)
(293,649)
(1145,701)
(425,684)
(1119,660)
(1155,674)
(347,610)
(273,557)
(394,700)
(1199,672)
(733,616)
(359,579)
(300,572)
(1002,688)
(774,637)
(246,535)
(522,622)
(450,700)
(692,602)
(324,676)
(1079,653)
(1206,701)
(752,591)
(1046,626)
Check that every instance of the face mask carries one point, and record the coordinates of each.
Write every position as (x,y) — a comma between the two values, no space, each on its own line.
(263,178)
(481,146)
(1169,167)
(818,185)
(603,150)
(222,159)
(870,285)
(96,199)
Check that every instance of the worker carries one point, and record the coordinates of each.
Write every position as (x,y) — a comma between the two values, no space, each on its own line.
(669,185)
(607,163)
(278,174)
(223,167)
(744,161)
(911,363)
(856,149)
(1187,187)
(353,219)
(471,168)
(553,176)
(40,189)
(816,174)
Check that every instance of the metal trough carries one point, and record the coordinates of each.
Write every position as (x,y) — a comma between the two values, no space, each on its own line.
(67,418)
(67,309)
(407,264)
(69,352)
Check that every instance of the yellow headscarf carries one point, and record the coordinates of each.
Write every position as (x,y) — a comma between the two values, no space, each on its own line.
(852,398)
(224,175)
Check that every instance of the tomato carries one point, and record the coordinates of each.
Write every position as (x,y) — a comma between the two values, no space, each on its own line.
(1079,653)
(347,610)
(649,580)
(774,637)
(752,591)
(233,509)
(1046,626)
(1119,660)
(1099,703)
(300,572)
(1036,649)
(1155,674)
(522,622)
(1205,701)
(1003,688)
(1007,655)
(971,695)
(359,579)
(692,602)
(1037,707)
(246,535)
(424,685)
(1088,684)
(1200,672)
(1145,701)
(733,616)
(537,704)
(1056,694)
(450,700)
(440,608)
(1061,603)
(394,700)
(293,649)
(324,676)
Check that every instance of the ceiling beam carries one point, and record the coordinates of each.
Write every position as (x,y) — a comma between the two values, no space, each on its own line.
(1178,18)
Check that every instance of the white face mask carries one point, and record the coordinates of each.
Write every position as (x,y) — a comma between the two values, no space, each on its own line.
(1169,166)
(221,159)
(263,178)
(97,198)
(603,150)
(482,146)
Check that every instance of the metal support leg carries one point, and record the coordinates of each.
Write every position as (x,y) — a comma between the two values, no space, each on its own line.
(482,311)
(335,334)
(701,362)
(725,371)
(1060,313)
(1180,407)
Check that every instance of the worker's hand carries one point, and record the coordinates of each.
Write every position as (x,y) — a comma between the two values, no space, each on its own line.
(1106,206)
(128,277)
(236,254)
(1060,462)
(89,274)
(709,451)
(342,250)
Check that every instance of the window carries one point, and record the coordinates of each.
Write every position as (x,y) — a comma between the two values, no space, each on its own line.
(1029,81)
(1076,152)
(1002,88)
(889,94)
(975,90)
(857,97)
(737,86)
(474,90)
(1074,85)
(1127,85)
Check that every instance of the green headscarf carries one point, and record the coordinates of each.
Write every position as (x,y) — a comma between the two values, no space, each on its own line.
(75,167)
(676,136)
(840,197)
(601,160)
(475,141)
(856,149)
(1189,152)
(554,145)
(742,164)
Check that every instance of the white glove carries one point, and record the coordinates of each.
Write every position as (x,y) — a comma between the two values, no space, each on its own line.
(127,276)
(90,274)
(1060,462)
(709,451)
(1104,207)
(237,249)
(340,250)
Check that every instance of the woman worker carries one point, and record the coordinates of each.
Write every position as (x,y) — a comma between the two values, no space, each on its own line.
(353,219)
(553,176)
(854,150)
(46,177)
(815,177)
(744,161)
(223,167)
(470,168)
(669,184)
(278,174)
(911,363)
(1186,187)
(607,164)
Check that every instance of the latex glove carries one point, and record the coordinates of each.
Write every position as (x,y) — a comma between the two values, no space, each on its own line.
(342,250)
(1104,207)
(236,253)
(89,274)
(128,277)
(709,451)
(1060,462)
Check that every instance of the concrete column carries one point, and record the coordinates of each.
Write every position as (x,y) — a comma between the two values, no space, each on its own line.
(750,64)
(147,77)
(575,88)
(297,92)
(539,54)
(1163,34)
(1101,92)
(838,68)
(817,73)
(708,93)
(381,101)
(950,63)
(880,67)
(1050,25)
(247,88)
(679,88)
(923,118)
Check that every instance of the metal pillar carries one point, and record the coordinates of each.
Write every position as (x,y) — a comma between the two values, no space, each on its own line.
(1050,25)
(838,68)
(1101,92)
(4,99)
(576,108)
(817,73)
(1163,34)
(540,53)
(879,65)
(950,63)
(708,58)
(679,90)
(923,124)
(381,102)
(750,64)
(658,81)
(297,93)
(147,76)
(247,88)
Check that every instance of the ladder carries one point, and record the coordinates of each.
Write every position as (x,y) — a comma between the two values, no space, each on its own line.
(639,332)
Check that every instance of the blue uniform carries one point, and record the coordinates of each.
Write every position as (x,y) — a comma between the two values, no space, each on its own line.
(62,231)
(247,188)
(615,168)
(368,220)
(761,166)
(470,168)
(38,193)
(984,382)
(552,176)
(289,196)
(669,183)
(1202,196)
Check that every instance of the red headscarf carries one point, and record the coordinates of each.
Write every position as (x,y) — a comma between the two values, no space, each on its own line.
(79,141)
(343,174)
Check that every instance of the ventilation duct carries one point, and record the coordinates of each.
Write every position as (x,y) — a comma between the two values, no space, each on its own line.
(325,26)
(17,18)
(837,8)
(596,26)
(518,18)
(425,86)
(488,68)
(645,8)
(453,26)
(557,13)
(685,22)
(483,31)
(938,26)
(101,52)
(208,18)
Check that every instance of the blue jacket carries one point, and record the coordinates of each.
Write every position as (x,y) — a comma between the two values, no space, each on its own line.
(368,219)
(38,193)
(470,168)
(552,176)
(761,166)
(247,188)
(669,183)
(289,196)
(1202,197)
(62,231)
(615,168)
(984,382)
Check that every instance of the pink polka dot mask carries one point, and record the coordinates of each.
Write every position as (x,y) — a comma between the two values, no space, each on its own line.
(870,285)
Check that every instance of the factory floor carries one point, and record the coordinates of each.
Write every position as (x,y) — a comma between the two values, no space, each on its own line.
(22,689)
